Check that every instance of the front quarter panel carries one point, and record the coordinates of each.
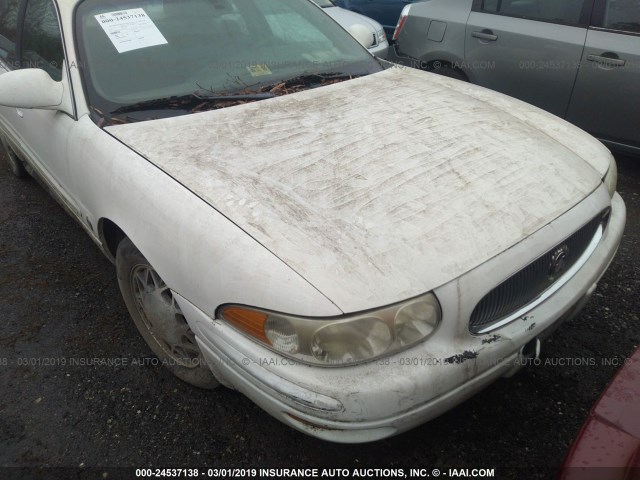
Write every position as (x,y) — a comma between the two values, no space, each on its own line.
(200,254)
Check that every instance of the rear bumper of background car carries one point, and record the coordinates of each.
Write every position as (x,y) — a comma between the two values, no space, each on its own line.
(390,395)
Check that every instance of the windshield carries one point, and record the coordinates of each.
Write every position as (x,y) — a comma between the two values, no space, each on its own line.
(133,53)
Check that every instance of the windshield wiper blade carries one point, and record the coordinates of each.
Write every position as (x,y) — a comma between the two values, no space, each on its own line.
(326,76)
(188,102)
(195,100)
(167,103)
(239,96)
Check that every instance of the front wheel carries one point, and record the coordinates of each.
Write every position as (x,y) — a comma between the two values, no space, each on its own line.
(158,317)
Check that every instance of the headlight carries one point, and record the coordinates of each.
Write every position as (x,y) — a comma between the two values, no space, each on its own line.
(343,340)
(351,341)
(382,37)
(611,178)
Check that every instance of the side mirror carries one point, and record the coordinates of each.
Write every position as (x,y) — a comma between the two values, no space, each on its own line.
(32,88)
(362,34)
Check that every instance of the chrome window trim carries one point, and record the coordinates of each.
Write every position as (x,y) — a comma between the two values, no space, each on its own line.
(613,30)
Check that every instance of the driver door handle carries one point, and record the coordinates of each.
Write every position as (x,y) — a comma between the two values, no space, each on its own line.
(485,35)
(613,61)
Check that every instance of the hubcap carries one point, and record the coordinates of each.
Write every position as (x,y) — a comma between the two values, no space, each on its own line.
(163,318)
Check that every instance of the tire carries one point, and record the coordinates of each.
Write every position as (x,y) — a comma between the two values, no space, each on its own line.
(447,71)
(17,166)
(158,318)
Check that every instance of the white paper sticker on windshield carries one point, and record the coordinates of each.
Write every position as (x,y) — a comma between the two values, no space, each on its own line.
(130,29)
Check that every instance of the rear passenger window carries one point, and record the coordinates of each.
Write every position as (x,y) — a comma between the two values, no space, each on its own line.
(8,29)
(556,11)
(622,15)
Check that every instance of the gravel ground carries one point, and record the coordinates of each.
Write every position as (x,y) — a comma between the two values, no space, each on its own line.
(60,301)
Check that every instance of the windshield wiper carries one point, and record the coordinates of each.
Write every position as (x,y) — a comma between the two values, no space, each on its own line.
(205,99)
(306,81)
(166,103)
(188,102)
(326,76)
(203,95)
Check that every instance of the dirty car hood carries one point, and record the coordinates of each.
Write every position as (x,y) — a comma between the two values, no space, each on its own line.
(383,187)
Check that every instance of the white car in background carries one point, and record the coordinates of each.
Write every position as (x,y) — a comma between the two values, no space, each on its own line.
(356,247)
(366,30)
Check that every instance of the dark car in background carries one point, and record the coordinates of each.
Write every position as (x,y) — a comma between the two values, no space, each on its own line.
(578,59)
(384,11)
(608,445)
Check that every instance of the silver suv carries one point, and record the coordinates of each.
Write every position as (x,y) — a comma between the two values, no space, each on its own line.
(578,59)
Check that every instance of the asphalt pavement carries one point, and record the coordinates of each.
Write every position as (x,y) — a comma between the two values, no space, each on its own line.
(79,389)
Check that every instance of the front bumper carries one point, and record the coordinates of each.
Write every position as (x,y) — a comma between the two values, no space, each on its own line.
(396,393)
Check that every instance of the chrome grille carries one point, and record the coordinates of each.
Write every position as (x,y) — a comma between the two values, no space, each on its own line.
(529,283)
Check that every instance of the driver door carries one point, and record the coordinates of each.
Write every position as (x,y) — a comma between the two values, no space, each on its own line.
(606,97)
(43,134)
(8,59)
(533,46)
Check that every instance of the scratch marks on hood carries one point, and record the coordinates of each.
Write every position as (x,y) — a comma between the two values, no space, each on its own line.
(371,199)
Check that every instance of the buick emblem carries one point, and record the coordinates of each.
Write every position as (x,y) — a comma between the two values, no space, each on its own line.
(558,261)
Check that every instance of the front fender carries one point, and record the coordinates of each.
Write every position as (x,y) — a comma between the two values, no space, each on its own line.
(201,254)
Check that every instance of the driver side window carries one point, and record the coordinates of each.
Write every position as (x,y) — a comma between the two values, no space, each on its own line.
(41,39)
(8,31)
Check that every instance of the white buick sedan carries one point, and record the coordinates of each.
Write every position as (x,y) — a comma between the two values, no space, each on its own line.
(356,247)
